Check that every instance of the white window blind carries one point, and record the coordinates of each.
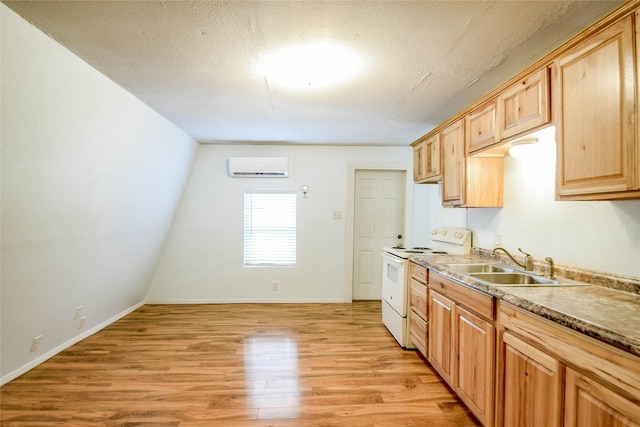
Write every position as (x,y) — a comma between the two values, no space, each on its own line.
(269,227)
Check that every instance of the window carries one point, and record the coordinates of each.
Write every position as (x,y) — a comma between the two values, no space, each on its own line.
(269,227)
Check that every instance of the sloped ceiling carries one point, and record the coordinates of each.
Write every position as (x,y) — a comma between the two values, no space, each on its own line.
(198,62)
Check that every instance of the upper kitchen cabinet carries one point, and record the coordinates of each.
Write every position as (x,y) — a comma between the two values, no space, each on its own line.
(468,181)
(419,158)
(481,128)
(453,164)
(524,106)
(426,160)
(519,109)
(594,101)
(588,88)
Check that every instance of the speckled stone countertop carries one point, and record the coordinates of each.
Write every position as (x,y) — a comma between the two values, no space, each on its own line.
(599,311)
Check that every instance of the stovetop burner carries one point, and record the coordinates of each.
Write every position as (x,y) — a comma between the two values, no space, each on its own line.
(448,240)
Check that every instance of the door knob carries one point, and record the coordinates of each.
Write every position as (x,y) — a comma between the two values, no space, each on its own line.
(399,236)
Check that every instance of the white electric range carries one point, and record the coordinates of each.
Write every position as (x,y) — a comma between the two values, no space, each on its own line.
(396,280)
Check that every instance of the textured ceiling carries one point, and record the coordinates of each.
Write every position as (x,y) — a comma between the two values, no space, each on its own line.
(198,62)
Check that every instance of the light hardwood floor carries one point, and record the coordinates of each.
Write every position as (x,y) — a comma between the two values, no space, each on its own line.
(236,365)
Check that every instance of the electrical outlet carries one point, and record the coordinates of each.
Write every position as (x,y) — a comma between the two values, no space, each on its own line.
(78,313)
(35,343)
(83,320)
(274,286)
(337,214)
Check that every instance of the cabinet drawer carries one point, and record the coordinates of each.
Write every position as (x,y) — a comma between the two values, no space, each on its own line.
(479,303)
(419,298)
(418,331)
(419,273)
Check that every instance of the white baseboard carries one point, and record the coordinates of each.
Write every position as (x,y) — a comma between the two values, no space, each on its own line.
(32,364)
(244,301)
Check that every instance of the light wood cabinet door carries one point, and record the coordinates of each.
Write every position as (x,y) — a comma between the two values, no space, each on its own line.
(524,106)
(418,331)
(440,335)
(419,298)
(419,159)
(468,181)
(418,315)
(590,404)
(474,379)
(481,127)
(594,113)
(529,391)
(484,182)
(426,160)
(453,173)
(418,320)
(432,162)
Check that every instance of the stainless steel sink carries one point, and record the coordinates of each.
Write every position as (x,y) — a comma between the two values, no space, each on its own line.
(518,279)
(501,275)
(477,268)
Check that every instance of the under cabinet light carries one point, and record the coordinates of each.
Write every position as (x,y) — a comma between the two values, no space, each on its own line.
(522,148)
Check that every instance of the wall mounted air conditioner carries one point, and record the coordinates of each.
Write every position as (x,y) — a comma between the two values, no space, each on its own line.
(258,167)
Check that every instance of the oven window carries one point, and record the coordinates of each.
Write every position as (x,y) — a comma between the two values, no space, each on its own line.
(392,273)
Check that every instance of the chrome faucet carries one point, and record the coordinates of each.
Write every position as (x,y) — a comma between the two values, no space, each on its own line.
(528,259)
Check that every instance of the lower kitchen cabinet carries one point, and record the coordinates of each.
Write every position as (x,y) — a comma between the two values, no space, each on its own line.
(418,313)
(418,331)
(590,404)
(440,334)
(513,368)
(529,386)
(462,342)
(473,376)
(548,374)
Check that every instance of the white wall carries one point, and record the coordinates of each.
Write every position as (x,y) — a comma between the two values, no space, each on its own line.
(595,235)
(203,259)
(91,178)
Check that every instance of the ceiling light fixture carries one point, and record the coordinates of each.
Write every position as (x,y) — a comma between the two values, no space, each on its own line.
(522,148)
(313,65)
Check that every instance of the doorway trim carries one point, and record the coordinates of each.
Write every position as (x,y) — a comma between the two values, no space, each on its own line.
(352,167)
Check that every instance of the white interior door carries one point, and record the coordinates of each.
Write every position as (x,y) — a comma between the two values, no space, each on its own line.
(378,221)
